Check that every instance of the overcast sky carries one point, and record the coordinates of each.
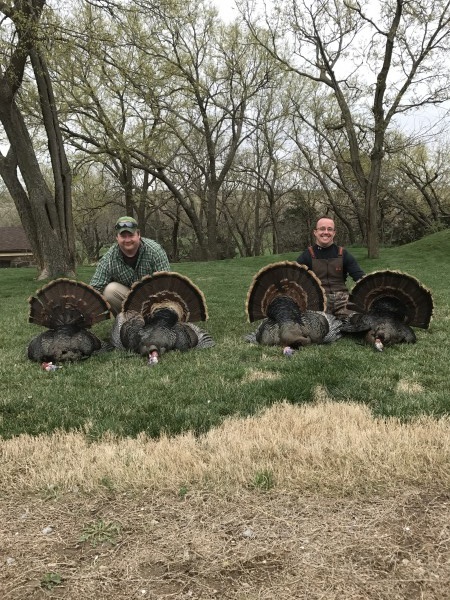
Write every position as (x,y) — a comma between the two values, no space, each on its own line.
(226,8)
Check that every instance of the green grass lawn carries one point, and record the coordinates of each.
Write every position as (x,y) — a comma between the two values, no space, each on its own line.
(118,392)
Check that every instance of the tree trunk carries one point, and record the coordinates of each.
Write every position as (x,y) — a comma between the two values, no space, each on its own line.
(212,223)
(34,202)
(46,216)
(257,246)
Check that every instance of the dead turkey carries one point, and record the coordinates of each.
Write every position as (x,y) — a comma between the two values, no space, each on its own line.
(68,309)
(387,305)
(292,302)
(158,314)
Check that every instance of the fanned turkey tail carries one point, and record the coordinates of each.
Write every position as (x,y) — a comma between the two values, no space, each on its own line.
(393,294)
(292,302)
(167,290)
(387,305)
(67,302)
(67,308)
(157,316)
(286,278)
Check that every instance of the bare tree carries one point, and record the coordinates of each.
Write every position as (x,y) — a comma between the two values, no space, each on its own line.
(272,171)
(429,175)
(415,193)
(216,72)
(374,60)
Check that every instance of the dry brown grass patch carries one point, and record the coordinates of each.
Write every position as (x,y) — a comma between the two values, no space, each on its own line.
(409,387)
(358,511)
(327,447)
(257,375)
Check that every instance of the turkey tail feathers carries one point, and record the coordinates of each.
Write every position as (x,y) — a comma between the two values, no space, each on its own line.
(395,294)
(284,278)
(334,331)
(166,289)
(204,339)
(67,302)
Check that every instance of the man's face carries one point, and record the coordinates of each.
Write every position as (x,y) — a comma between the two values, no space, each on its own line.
(324,232)
(129,241)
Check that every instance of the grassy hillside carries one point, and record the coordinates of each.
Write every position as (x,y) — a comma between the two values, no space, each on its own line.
(311,499)
(117,392)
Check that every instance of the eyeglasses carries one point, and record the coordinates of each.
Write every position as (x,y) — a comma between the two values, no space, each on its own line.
(325,229)
(125,224)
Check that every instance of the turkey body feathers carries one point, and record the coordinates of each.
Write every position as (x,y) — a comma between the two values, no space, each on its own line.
(67,343)
(67,308)
(314,328)
(388,304)
(162,333)
(155,316)
(291,302)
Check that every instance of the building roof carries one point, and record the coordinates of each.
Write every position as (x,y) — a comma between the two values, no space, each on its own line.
(14,239)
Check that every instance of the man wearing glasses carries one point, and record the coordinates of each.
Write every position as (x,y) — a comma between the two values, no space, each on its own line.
(127,261)
(332,264)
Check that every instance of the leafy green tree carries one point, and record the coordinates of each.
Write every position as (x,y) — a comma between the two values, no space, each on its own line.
(169,100)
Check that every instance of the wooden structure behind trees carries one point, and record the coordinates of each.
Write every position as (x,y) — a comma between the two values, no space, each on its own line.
(15,249)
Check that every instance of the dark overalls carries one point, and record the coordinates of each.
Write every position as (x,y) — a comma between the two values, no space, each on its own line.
(330,271)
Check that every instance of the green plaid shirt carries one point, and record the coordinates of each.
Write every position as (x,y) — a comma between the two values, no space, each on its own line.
(112,267)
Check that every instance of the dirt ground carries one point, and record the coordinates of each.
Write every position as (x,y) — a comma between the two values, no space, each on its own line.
(250,545)
(320,502)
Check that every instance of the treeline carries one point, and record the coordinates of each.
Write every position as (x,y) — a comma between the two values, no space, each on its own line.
(222,139)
